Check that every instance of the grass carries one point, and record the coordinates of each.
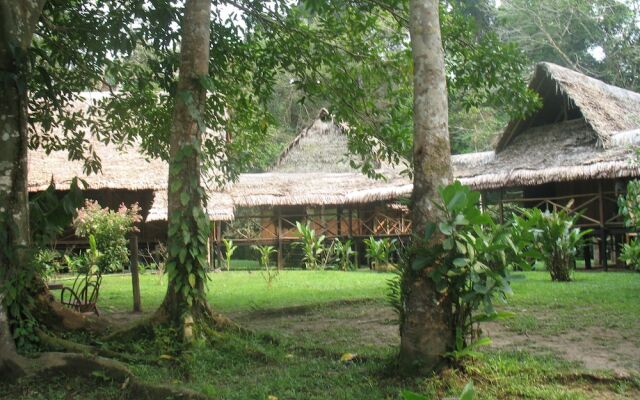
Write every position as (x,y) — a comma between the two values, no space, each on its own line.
(593,299)
(319,315)
(236,291)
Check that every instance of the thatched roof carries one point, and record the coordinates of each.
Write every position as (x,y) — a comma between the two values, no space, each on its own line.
(219,206)
(122,167)
(585,130)
(320,147)
(313,170)
(568,94)
(277,189)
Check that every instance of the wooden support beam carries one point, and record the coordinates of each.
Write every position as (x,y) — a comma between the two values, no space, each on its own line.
(587,253)
(339,220)
(603,231)
(135,275)
(280,260)
(501,206)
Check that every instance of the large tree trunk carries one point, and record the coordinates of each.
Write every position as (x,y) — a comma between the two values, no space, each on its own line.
(426,328)
(185,298)
(17,24)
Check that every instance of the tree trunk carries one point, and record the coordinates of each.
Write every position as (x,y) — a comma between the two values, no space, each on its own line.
(188,223)
(17,24)
(426,327)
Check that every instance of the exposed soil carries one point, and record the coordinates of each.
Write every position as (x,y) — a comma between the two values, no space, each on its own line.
(594,347)
(359,324)
(373,324)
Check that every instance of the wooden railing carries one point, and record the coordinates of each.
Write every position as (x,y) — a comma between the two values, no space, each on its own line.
(578,203)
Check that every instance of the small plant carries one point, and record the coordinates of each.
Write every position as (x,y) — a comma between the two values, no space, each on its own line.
(311,244)
(467,394)
(48,263)
(109,229)
(470,262)
(378,252)
(629,208)
(229,249)
(87,261)
(631,254)
(268,273)
(553,239)
(344,255)
(159,257)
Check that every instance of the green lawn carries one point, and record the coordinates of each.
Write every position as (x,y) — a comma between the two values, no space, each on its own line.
(319,315)
(235,291)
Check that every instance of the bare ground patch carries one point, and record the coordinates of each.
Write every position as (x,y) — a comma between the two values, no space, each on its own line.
(358,324)
(596,348)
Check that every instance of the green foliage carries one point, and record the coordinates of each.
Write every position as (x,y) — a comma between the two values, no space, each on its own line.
(188,232)
(311,244)
(268,273)
(470,264)
(88,261)
(464,350)
(468,393)
(229,249)
(631,254)
(378,252)
(48,262)
(629,205)
(51,212)
(553,238)
(629,208)
(344,254)
(598,37)
(109,229)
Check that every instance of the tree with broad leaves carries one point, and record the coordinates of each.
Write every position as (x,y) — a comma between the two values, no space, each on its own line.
(352,53)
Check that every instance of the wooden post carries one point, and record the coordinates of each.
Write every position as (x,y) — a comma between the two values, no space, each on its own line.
(339,221)
(280,261)
(587,254)
(501,209)
(603,231)
(135,276)
(355,244)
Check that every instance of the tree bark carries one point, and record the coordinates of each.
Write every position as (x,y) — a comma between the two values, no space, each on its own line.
(184,175)
(426,327)
(17,24)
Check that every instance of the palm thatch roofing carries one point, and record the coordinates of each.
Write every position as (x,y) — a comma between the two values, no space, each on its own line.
(585,130)
(314,169)
(122,167)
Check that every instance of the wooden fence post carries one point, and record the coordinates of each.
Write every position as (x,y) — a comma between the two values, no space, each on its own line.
(135,276)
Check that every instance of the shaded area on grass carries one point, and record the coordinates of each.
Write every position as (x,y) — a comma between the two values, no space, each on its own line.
(319,315)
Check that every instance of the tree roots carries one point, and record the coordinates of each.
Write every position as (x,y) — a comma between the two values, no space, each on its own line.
(84,360)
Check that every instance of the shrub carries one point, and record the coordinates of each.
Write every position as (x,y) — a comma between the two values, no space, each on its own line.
(344,255)
(229,249)
(311,244)
(378,252)
(48,263)
(553,239)
(87,261)
(629,208)
(268,273)
(471,264)
(109,228)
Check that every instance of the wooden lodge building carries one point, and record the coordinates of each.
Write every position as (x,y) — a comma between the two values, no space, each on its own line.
(578,146)
(312,182)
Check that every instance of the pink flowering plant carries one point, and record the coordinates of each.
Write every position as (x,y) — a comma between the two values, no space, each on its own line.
(110,229)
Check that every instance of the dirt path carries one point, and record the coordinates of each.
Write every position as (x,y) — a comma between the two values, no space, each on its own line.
(367,323)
